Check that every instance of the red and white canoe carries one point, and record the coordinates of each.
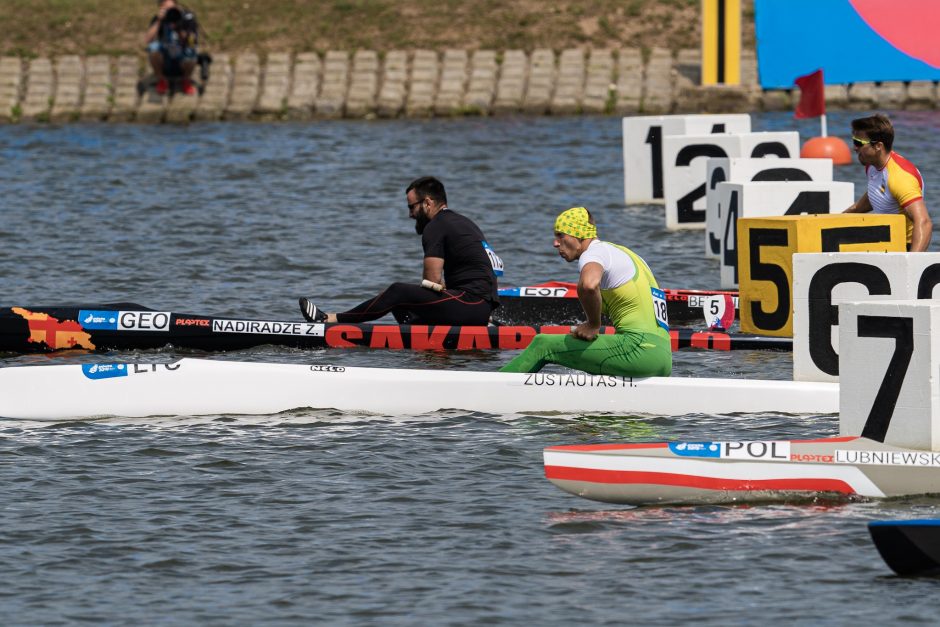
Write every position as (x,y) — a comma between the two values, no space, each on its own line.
(556,302)
(735,472)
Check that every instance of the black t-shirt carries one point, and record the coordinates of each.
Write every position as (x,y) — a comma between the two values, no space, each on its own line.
(459,242)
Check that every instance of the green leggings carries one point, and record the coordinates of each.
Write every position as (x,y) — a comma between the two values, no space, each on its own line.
(624,354)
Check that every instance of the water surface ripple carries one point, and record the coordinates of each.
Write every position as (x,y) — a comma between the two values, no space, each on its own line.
(323,517)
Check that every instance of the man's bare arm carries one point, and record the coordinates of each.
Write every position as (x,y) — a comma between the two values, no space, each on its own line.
(434,269)
(589,294)
(862,206)
(923,226)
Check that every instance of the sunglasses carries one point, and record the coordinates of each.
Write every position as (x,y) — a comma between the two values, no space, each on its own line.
(412,206)
(858,143)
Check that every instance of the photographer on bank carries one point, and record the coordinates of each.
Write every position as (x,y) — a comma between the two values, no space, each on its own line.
(171,42)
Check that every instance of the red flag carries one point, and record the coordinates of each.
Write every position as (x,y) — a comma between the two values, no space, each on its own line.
(812,96)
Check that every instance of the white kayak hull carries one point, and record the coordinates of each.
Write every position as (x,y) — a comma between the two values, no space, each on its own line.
(688,473)
(194,387)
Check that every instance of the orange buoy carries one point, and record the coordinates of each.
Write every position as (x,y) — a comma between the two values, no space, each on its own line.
(827,148)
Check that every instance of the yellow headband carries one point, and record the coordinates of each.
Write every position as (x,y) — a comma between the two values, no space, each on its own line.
(575,222)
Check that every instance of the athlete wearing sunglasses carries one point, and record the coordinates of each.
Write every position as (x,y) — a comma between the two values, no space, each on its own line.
(459,284)
(895,185)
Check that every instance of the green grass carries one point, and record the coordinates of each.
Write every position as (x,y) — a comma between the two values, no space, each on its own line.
(54,27)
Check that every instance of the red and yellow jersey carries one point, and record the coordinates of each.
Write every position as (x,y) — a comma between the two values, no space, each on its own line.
(894,187)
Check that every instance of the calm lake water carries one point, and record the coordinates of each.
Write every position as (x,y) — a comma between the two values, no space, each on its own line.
(322,517)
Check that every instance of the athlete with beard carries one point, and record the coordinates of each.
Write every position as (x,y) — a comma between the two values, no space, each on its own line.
(459,280)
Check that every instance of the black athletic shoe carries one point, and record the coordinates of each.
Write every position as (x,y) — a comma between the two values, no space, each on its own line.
(311,312)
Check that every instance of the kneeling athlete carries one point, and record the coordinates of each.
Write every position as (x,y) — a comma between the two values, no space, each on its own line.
(614,280)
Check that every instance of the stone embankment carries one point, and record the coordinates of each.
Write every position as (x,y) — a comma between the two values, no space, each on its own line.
(421,83)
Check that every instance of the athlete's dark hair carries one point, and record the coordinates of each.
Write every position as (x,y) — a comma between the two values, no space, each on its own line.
(877,127)
(428,187)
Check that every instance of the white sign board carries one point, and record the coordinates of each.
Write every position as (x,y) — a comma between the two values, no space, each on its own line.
(760,200)
(823,281)
(891,372)
(745,169)
(643,147)
(685,158)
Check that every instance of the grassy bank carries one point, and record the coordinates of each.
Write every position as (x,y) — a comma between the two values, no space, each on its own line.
(53,27)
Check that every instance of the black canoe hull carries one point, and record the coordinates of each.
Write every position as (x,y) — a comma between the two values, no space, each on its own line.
(909,547)
(128,326)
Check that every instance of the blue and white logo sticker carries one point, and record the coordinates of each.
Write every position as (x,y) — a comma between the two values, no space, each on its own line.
(103,320)
(97,319)
(495,261)
(104,371)
(659,307)
(696,449)
(540,291)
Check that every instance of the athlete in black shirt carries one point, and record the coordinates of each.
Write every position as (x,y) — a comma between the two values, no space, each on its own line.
(459,280)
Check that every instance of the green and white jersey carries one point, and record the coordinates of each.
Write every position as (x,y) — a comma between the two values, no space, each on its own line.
(630,294)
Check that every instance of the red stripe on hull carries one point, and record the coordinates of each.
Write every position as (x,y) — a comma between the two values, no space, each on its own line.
(630,477)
